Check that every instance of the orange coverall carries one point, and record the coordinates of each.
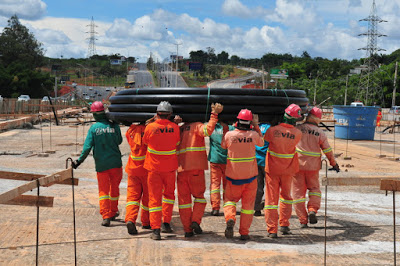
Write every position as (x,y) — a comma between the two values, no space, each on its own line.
(109,181)
(378,118)
(309,151)
(281,164)
(241,172)
(192,160)
(161,137)
(137,177)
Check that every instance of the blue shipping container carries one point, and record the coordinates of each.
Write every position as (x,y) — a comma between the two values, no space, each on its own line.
(354,122)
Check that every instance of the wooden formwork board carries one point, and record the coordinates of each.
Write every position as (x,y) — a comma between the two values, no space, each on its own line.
(356,181)
(390,185)
(31,200)
(30,177)
(42,181)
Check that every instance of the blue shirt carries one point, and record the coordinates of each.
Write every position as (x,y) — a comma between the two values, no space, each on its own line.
(261,152)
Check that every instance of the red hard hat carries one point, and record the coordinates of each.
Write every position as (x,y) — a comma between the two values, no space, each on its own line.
(316,112)
(97,107)
(245,114)
(293,110)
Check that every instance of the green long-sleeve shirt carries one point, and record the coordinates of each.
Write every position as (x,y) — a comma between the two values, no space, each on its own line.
(104,137)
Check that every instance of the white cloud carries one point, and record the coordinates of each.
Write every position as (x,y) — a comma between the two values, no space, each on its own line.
(235,8)
(24,9)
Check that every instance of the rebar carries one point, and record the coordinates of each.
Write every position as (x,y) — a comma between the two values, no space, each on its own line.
(37,222)
(394,227)
(41,132)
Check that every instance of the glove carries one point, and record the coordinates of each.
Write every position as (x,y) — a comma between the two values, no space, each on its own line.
(217,108)
(255,120)
(177,119)
(75,164)
(336,168)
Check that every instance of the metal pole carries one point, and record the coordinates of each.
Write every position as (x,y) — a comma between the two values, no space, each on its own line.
(73,204)
(263,82)
(326,207)
(394,227)
(394,86)
(37,222)
(50,132)
(41,132)
(345,92)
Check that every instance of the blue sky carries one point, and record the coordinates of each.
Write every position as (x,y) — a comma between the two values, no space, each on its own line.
(246,28)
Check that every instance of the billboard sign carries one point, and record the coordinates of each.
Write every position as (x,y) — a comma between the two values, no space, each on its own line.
(115,62)
(173,57)
(279,73)
(195,66)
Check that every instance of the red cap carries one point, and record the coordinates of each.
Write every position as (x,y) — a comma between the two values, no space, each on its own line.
(97,107)
(245,114)
(293,110)
(316,112)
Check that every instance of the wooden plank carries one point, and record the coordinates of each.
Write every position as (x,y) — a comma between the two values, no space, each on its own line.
(19,176)
(355,181)
(31,200)
(56,177)
(390,185)
(30,177)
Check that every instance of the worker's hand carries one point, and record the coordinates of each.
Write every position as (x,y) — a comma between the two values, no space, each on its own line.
(255,120)
(216,108)
(336,168)
(151,120)
(75,164)
(177,119)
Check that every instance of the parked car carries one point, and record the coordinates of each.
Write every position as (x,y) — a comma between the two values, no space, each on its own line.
(394,110)
(45,99)
(108,89)
(357,104)
(87,97)
(1,98)
(24,98)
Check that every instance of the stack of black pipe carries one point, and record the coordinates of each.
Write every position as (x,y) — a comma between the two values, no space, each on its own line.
(193,104)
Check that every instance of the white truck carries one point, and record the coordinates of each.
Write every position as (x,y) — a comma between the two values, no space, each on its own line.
(130,81)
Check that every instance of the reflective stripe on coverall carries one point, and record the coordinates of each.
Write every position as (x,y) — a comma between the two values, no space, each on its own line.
(309,151)
(241,165)
(109,181)
(280,166)
(161,138)
(192,160)
(137,191)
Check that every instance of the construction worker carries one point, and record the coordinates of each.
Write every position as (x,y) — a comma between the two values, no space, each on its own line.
(241,172)
(162,138)
(309,152)
(137,191)
(261,153)
(217,158)
(192,160)
(379,118)
(281,164)
(104,137)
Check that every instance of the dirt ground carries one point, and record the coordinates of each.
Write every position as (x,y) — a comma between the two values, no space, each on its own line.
(359,219)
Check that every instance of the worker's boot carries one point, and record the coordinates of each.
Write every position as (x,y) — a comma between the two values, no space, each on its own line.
(146,226)
(166,228)
(196,228)
(131,228)
(156,234)
(115,216)
(189,234)
(285,230)
(312,217)
(215,212)
(257,213)
(244,237)
(106,222)
(273,235)
(229,228)
(303,226)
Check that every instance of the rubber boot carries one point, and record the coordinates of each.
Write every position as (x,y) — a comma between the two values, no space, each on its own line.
(196,228)
(166,228)
(189,234)
(215,212)
(312,217)
(285,230)
(106,222)
(244,237)
(229,228)
(156,234)
(131,228)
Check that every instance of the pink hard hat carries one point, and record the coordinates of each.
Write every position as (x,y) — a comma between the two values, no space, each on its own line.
(97,107)
(316,112)
(293,110)
(245,114)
